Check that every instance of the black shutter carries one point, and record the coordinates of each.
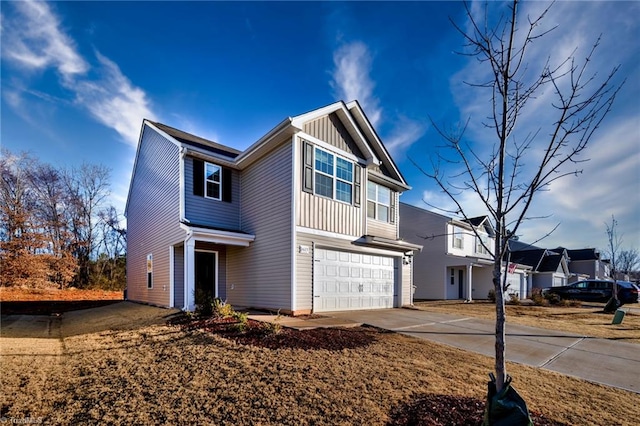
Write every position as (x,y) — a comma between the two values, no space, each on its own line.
(226,184)
(198,177)
(307,169)
(357,173)
(392,213)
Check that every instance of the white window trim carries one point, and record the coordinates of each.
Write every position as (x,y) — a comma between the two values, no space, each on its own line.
(376,203)
(334,178)
(458,235)
(206,163)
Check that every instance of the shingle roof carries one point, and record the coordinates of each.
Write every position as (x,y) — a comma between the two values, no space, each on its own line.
(197,142)
(581,254)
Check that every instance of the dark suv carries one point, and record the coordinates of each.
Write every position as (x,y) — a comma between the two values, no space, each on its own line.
(596,291)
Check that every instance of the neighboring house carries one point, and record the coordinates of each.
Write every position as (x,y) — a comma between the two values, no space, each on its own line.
(586,263)
(548,268)
(304,220)
(455,262)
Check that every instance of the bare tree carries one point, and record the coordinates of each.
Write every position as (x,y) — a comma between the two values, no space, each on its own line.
(87,189)
(502,181)
(629,261)
(614,241)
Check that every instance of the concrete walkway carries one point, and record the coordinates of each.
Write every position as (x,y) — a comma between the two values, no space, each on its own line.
(601,361)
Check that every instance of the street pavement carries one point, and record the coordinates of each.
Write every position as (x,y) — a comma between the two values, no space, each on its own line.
(603,361)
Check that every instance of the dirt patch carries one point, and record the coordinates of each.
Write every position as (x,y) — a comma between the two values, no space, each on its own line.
(136,369)
(15,294)
(588,320)
(50,307)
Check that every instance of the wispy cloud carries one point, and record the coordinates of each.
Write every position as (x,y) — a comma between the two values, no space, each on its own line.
(34,41)
(351,80)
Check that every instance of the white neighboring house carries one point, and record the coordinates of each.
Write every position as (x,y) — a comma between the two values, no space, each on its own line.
(455,262)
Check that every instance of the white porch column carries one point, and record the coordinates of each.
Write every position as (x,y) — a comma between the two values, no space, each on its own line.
(189,274)
(470,283)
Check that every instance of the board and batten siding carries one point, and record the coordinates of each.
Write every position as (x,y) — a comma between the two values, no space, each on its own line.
(316,212)
(153,218)
(206,211)
(304,265)
(330,129)
(259,276)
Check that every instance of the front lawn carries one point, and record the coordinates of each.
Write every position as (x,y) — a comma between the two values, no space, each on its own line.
(588,320)
(159,373)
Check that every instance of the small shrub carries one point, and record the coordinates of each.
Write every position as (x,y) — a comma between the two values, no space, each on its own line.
(538,299)
(275,327)
(553,298)
(221,309)
(204,303)
(492,295)
(243,320)
(514,299)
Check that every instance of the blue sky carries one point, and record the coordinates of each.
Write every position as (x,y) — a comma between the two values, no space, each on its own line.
(79,77)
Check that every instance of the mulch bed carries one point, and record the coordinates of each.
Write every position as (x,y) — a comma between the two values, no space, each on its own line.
(265,335)
(440,410)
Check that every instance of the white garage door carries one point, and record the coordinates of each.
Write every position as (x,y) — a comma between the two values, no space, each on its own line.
(348,281)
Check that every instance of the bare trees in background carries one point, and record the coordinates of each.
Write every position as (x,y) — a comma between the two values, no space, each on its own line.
(55,225)
(521,161)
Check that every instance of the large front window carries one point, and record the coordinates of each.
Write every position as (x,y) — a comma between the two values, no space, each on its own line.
(333,176)
(482,243)
(378,202)
(213,181)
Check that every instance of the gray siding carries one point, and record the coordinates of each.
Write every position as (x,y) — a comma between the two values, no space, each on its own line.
(205,211)
(153,218)
(260,275)
(329,215)
(304,265)
(385,229)
(331,130)
(429,265)
(178,277)
(222,265)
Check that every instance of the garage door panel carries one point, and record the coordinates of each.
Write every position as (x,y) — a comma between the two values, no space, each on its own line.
(349,281)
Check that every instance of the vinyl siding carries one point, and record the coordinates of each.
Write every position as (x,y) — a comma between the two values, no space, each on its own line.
(384,229)
(205,211)
(304,264)
(330,129)
(259,276)
(178,277)
(325,214)
(430,266)
(153,218)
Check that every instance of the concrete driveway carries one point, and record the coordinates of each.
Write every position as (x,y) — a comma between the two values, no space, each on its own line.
(601,361)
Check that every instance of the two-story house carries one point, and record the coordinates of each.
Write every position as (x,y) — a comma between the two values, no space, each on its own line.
(586,263)
(457,259)
(304,220)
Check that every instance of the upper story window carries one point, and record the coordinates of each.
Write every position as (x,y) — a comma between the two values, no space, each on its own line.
(379,204)
(458,238)
(213,181)
(482,244)
(333,176)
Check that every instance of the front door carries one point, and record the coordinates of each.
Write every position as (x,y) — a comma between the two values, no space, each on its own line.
(205,276)
(460,283)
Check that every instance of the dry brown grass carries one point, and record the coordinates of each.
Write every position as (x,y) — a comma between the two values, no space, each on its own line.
(12,294)
(126,373)
(587,320)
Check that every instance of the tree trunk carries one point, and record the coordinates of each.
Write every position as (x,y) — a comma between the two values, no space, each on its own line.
(500,364)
